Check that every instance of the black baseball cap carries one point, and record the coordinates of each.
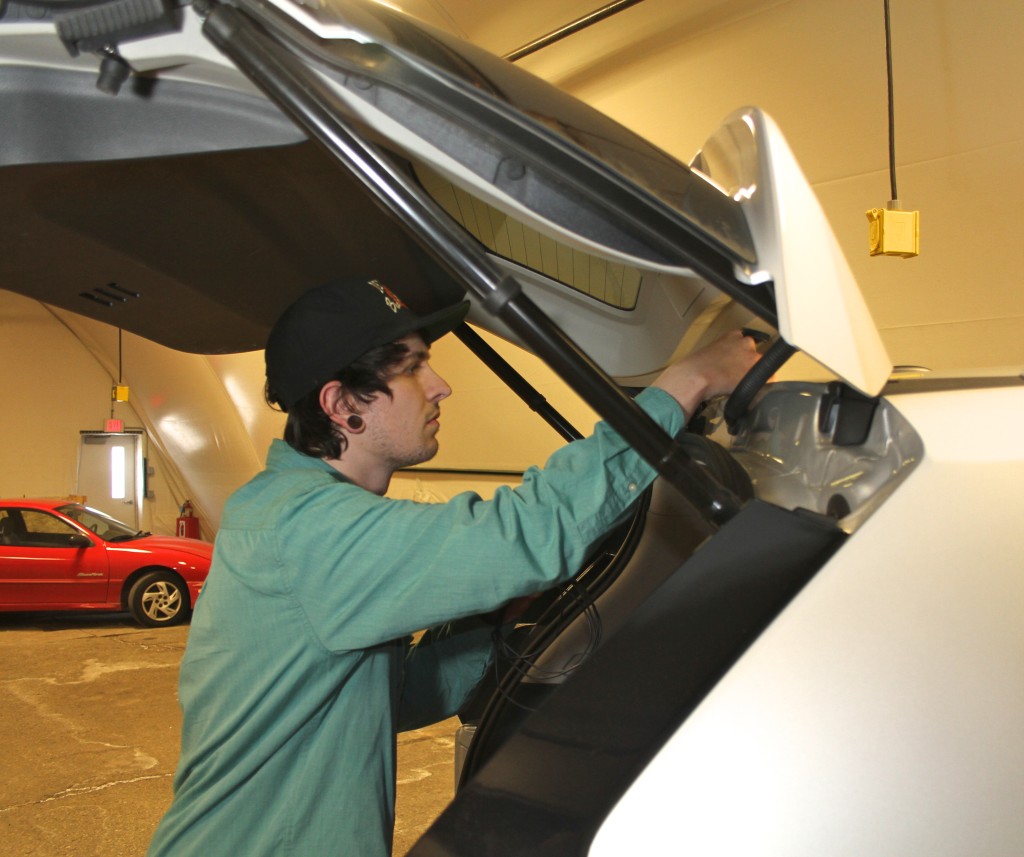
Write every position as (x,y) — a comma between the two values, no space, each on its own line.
(332,325)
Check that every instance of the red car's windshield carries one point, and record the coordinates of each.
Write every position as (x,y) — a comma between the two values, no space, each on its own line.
(107,528)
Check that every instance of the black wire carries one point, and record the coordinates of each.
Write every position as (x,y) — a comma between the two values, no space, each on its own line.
(522,665)
(892,112)
(570,29)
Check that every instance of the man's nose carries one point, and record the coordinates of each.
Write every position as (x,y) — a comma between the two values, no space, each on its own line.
(437,387)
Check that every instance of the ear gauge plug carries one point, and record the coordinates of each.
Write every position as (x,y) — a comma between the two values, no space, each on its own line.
(355,423)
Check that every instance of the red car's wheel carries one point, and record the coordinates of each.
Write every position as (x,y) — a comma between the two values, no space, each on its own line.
(158,598)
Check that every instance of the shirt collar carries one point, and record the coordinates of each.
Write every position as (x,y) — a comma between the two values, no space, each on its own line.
(281,456)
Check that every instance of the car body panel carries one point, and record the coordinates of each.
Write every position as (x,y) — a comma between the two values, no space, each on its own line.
(879,710)
(884,711)
(813,284)
(47,577)
(158,126)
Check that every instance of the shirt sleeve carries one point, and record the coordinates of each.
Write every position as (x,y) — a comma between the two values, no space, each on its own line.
(367,569)
(441,670)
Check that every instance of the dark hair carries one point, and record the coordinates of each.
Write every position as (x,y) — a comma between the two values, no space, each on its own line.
(309,430)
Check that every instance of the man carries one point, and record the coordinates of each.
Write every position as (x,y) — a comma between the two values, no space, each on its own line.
(299,670)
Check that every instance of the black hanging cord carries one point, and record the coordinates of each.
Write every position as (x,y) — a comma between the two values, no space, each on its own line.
(582,23)
(892,112)
(113,397)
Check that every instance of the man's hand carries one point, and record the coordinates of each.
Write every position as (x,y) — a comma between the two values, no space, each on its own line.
(712,371)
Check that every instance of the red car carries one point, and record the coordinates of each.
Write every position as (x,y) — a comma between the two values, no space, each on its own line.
(56,555)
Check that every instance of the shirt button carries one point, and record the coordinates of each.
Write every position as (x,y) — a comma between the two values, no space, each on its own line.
(632,486)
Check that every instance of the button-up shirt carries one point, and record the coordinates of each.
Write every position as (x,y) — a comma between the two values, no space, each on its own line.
(299,669)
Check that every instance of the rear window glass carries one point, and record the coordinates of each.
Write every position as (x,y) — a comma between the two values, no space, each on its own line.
(615,284)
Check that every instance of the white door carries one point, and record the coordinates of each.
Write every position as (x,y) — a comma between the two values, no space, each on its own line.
(110,474)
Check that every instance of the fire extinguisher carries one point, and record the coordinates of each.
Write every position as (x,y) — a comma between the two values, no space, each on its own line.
(188,523)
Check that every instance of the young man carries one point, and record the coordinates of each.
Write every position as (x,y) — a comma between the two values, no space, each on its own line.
(299,670)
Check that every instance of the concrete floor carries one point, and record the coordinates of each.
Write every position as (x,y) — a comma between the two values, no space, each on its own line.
(89,735)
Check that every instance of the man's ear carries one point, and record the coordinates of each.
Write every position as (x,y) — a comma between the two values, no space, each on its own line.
(337,404)
(333,402)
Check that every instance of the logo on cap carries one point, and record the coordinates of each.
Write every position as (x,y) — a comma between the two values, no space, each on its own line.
(393,301)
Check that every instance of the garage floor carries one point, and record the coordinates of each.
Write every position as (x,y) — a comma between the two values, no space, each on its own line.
(89,733)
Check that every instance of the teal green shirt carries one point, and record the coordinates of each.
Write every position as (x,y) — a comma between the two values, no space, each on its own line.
(299,670)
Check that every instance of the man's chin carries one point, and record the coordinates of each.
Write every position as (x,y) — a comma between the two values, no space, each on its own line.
(426,454)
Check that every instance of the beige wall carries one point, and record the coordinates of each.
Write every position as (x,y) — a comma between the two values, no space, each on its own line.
(52,387)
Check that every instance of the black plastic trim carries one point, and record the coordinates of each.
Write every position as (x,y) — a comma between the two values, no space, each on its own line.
(547,790)
(501,702)
(846,414)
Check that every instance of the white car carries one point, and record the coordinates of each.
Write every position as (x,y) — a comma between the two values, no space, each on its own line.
(808,640)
